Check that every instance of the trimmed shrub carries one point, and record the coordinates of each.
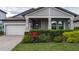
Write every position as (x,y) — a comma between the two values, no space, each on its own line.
(58,39)
(71,40)
(71,37)
(34,36)
(44,35)
(51,32)
(44,38)
(26,39)
(76,28)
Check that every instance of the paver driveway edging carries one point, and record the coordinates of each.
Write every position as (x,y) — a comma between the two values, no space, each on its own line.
(7,43)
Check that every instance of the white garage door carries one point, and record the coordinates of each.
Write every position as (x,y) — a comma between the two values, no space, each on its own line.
(15,29)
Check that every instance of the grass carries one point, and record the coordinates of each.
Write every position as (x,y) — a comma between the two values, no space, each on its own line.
(47,47)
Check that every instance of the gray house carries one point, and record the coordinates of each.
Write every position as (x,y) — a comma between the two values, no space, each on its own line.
(44,18)
(2,16)
(76,21)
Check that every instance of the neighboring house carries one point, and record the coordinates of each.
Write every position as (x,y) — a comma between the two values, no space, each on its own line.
(2,16)
(45,18)
(76,22)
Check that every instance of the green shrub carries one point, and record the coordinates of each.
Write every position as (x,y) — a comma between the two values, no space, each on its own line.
(71,37)
(46,35)
(51,32)
(1,33)
(58,39)
(44,38)
(71,40)
(76,28)
(26,39)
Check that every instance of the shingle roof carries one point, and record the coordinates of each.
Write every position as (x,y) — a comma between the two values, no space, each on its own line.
(32,10)
(3,11)
(67,11)
(28,11)
(12,19)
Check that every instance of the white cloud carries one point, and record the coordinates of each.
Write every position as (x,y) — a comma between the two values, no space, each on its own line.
(11,11)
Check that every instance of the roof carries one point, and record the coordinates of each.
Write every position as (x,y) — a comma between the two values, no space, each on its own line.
(14,19)
(3,11)
(32,10)
(28,11)
(72,13)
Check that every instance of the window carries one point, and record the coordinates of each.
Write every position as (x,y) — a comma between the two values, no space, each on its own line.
(60,24)
(54,24)
(57,24)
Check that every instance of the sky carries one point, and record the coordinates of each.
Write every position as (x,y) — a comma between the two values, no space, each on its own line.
(11,11)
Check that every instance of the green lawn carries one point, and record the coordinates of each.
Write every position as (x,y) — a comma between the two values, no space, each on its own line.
(47,47)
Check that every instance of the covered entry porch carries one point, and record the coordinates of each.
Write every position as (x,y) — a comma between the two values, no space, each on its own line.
(49,23)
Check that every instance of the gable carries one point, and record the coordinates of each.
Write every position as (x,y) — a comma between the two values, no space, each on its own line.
(57,12)
(40,12)
(51,11)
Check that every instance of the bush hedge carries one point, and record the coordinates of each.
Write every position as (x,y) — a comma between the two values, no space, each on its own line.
(44,38)
(58,39)
(26,39)
(76,28)
(71,37)
(44,35)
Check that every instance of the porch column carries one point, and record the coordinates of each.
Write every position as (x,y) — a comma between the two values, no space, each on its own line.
(49,24)
(71,24)
(64,25)
(27,24)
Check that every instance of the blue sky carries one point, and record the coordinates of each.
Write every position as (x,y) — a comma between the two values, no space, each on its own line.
(11,11)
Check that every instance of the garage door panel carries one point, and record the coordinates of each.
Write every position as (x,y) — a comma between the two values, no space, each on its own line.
(15,29)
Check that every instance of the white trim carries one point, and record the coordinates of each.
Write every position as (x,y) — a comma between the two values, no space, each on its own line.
(48,16)
(49,21)
(49,24)
(27,25)
(14,23)
(71,24)
(64,25)
(49,12)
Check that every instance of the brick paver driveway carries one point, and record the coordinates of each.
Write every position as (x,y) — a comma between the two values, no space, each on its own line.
(7,43)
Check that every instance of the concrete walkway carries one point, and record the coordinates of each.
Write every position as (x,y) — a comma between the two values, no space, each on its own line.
(7,43)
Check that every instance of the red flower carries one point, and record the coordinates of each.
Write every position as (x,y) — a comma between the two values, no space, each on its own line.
(34,34)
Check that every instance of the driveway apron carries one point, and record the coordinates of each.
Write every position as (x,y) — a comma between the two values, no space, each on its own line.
(7,43)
